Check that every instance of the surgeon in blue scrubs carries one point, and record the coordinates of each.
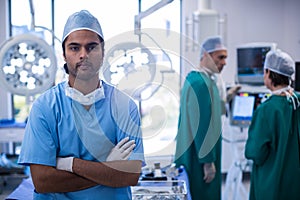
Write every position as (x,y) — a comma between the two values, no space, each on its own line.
(83,137)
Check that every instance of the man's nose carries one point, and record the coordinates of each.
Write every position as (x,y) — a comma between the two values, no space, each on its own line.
(84,53)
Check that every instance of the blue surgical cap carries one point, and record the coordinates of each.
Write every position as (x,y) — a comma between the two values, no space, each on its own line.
(212,44)
(280,62)
(82,20)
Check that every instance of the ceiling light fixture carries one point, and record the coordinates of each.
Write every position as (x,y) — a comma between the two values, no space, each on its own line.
(27,64)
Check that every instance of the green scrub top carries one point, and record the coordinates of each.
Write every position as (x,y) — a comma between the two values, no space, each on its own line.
(198,136)
(273,145)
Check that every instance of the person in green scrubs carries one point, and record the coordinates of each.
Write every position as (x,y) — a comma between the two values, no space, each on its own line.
(198,146)
(273,136)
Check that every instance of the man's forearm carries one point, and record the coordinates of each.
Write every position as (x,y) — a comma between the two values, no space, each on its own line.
(113,174)
(48,179)
(85,174)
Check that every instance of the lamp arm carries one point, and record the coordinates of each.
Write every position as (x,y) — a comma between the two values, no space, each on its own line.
(32,14)
(149,11)
(51,31)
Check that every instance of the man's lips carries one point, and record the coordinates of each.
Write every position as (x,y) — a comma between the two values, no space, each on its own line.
(82,66)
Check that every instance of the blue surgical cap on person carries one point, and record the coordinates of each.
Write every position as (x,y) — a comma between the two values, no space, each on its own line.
(212,44)
(280,62)
(82,20)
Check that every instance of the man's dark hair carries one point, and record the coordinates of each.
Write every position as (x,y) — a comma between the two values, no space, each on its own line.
(278,79)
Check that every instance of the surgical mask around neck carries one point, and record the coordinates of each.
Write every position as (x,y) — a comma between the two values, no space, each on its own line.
(86,100)
(208,72)
(282,90)
(290,97)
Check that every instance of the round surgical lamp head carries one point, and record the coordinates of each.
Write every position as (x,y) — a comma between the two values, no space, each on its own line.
(28,65)
(130,66)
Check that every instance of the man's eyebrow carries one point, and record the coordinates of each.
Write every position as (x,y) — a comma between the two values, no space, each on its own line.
(73,44)
(91,43)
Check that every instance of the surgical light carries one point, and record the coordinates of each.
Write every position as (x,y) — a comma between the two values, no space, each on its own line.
(27,65)
(132,63)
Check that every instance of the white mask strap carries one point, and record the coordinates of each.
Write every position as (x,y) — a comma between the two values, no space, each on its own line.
(88,99)
(293,98)
(281,90)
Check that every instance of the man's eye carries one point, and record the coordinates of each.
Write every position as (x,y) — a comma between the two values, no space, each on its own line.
(91,48)
(74,48)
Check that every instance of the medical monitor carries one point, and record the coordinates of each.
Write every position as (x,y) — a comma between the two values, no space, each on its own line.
(250,62)
(243,106)
(297,76)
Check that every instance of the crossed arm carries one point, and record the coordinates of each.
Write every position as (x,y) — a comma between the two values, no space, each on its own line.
(85,174)
(117,171)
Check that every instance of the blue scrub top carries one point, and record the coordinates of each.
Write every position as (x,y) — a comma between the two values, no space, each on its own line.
(52,131)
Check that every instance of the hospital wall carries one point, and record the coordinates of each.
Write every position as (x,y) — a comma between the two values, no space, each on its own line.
(259,21)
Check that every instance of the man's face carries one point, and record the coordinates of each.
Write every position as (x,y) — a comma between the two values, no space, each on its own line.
(83,55)
(219,59)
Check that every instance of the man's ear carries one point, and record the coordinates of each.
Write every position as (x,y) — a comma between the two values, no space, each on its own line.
(66,68)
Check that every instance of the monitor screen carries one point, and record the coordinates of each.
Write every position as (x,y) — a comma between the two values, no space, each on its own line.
(243,106)
(297,76)
(242,110)
(250,63)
